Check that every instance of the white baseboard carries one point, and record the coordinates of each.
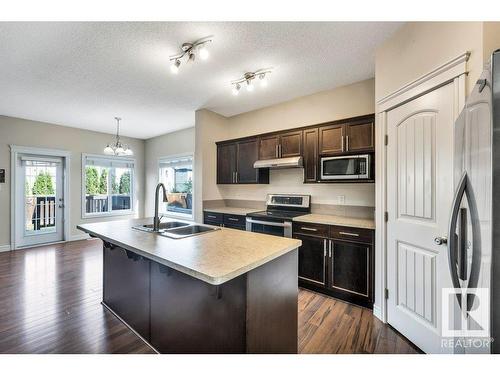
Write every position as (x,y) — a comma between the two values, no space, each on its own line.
(78,237)
(377,312)
(4,248)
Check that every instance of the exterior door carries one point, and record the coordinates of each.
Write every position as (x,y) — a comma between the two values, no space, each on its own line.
(40,200)
(419,197)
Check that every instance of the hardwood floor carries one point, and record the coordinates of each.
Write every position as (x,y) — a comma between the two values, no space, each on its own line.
(50,303)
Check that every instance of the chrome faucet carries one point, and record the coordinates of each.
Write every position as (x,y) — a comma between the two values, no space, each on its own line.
(156,219)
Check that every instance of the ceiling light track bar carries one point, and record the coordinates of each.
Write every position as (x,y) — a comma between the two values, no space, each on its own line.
(189,47)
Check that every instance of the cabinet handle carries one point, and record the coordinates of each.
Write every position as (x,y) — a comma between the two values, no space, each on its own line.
(280,151)
(330,250)
(324,247)
(276,151)
(342,141)
(236,175)
(212,216)
(347,143)
(309,229)
(349,234)
(232,219)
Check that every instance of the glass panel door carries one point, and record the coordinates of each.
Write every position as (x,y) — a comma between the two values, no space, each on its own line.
(41,192)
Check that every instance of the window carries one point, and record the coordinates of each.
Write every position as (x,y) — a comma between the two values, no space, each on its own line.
(108,186)
(176,174)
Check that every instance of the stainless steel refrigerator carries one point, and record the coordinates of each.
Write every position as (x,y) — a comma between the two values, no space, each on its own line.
(474,230)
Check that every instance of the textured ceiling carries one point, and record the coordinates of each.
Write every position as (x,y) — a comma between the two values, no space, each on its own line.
(84,74)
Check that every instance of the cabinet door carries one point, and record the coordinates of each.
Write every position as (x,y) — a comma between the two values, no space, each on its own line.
(312,259)
(360,137)
(310,155)
(290,144)
(349,268)
(331,139)
(248,153)
(126,287)
(226,163)
(268,147)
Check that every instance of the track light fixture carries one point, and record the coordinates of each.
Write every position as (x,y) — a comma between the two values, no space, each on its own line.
(190,49)
(248,78)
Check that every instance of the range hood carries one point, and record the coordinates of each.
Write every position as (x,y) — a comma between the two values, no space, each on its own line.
(293,162)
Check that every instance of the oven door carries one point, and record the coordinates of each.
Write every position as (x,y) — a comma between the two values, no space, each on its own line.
(282,229)
(345,167)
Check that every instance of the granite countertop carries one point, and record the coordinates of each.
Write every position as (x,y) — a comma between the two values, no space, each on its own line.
(214,257)
(232,210)
(337,220)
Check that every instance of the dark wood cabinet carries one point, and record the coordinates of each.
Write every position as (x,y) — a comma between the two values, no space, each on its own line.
(283,145)
(290,144)
(126,278)
(235,163)
(268,147)
(312,259)
(310,151)
(226,163)
(349,268)
(330,264)
(225,220)
(331,139)
(360,137)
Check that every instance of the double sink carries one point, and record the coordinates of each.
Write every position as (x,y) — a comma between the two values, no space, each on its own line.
(177,229)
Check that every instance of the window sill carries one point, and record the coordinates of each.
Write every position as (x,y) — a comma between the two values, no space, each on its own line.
(108,214)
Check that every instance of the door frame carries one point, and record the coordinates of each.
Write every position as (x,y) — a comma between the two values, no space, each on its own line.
(453,71)
(15,151)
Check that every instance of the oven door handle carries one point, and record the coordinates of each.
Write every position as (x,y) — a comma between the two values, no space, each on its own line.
(286,224)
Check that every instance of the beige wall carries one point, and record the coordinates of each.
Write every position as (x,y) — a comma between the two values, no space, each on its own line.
(38,134)
(419,47)
(348,101)
(171,144)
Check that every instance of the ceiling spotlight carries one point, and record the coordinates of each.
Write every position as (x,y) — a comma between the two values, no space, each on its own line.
(236,89)
(263,80)
(174,68)
(248,78)
(203,52)
(189,50)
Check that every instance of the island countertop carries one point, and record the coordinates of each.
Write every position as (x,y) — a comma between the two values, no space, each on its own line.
(214,257)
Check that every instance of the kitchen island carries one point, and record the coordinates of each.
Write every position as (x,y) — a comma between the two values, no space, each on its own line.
(223,291)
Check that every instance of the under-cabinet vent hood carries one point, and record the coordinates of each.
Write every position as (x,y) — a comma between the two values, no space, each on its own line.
(293,162)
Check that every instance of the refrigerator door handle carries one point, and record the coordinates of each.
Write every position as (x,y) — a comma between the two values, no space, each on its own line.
(452,237)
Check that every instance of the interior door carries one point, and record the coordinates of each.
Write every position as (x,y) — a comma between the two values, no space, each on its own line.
(419,197)
(40,200)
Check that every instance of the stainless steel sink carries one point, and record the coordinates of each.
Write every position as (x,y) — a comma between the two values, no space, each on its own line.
(163,226)
(188,231)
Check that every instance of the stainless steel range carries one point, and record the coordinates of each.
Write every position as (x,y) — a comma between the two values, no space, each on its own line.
(279,213)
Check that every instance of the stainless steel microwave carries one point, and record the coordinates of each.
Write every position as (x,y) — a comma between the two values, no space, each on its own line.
(345,167)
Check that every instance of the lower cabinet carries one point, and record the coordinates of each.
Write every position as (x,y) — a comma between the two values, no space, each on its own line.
(335,266)
(224,220)
(125,279)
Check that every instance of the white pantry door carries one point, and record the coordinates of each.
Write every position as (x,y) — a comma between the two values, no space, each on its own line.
(419,196)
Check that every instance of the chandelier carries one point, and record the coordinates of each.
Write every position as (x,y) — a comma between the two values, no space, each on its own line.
(248,79)
(117,148)
(190,49)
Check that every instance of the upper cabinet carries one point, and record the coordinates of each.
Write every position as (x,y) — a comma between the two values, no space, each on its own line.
(350,137)
(235,163)
(282,145)
(235,158)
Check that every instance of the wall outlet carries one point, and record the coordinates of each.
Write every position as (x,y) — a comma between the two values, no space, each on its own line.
(341,199)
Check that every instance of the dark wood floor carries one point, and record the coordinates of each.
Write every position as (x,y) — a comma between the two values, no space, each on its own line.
(50,303)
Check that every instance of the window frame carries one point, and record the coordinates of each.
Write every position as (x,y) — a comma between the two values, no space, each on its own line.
(110,213)
(161,210)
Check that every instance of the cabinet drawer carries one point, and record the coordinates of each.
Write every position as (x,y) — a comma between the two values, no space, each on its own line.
(352,234)
(234,220)
(213,217)
(311,229)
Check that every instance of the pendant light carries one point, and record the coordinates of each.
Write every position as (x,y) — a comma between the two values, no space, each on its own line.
(117,148)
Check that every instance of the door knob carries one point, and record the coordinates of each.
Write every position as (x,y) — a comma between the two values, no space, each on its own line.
(441,240)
